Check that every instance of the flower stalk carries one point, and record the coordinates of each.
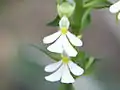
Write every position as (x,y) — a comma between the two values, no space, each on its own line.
(73,17)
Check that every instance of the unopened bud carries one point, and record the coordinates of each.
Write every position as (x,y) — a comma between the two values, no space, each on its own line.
(65,9)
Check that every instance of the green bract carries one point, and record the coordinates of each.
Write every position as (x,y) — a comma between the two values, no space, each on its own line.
(66,9)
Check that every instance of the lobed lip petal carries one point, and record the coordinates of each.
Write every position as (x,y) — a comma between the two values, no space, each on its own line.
(74,40)
(56,76)
(115,7)
(52,67)
(51,38)
(64,22)
(75,69)
(56,46)
(68,47)
(66,76)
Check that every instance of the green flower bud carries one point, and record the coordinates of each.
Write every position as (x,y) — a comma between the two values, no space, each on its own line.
(65,9)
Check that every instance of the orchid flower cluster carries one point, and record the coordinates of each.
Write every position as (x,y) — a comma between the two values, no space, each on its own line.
(64,43)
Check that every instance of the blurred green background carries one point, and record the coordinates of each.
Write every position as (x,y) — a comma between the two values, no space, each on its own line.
(23,22)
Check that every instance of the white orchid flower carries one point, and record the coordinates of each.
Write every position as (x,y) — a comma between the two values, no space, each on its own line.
(62,71)
(115,8)
(63,39)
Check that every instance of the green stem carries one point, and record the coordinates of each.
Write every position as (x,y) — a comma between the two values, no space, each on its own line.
(66,87)
(76,17)
(90,4)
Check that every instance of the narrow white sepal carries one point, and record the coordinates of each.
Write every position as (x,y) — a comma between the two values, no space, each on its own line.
(56,76)
(68,47)
(52,67)
(51,38)
(115,7)
(64,22)
(66,76)
(75,69)
(56,46)
(74,40)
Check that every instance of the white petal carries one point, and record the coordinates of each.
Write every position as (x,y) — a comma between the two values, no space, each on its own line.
(56,46)
(74,40)
(56,76)
(51,38)
(115,7)
(75,69)
(68,47)
(66,76)
(119,16)
(52,67)
(64,22)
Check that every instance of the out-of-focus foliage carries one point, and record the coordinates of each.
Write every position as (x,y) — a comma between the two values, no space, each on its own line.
(42,48)
(55,22)
(97,4)
(2,4)
(28,74)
